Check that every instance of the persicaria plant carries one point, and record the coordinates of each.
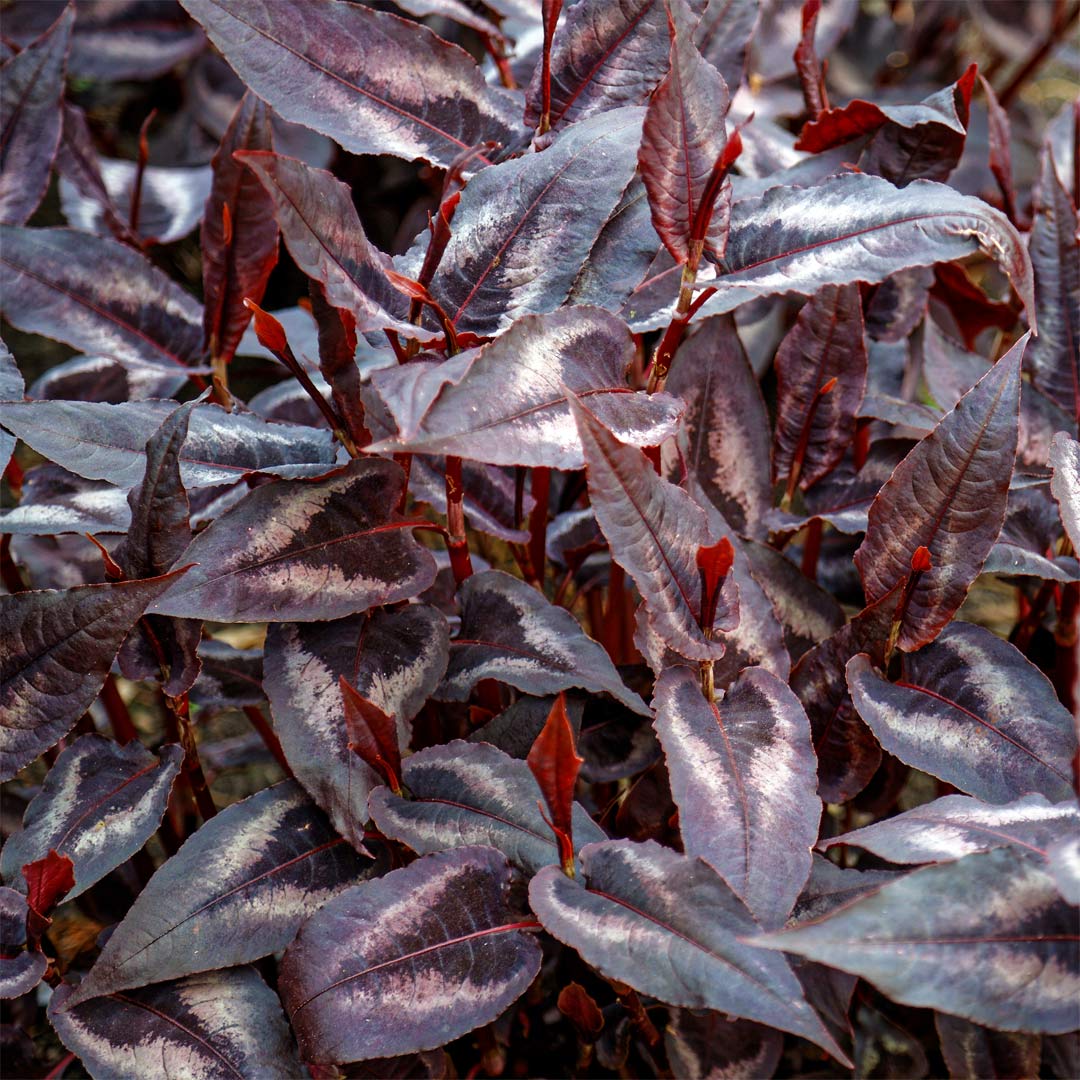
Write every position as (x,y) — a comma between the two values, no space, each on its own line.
(551,547)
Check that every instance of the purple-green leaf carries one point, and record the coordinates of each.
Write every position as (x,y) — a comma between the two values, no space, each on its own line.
(409,961)
(473,793)
(971,710)
(237,890)
(98,805)
(744,776)
(306,550)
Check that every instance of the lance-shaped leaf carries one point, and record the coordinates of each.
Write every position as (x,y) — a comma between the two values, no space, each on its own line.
(524,227)
(409,961)
(1065,483)
(31,86)
(1053,357)
(971,1050)
(820,379)
(108,442)
(21,968)
(510,632)
(239,237)
(372,735)
(48,880)
(655,530)
(949,496)
(682,155)
(703,1045)
(99,804)
(553,760)
(308,551)
(755,824)
(605,55)
(221,1023)
(98,295)
(509,406)
(56,649)
(725,432)
(326,240)
(669,927)
(395,659)
(971,710)
(986,938)
(958,825)
(375,83)
(473,793)
(237,890)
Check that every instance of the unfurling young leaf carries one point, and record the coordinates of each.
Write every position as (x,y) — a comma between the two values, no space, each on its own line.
(372,735)
(554,761)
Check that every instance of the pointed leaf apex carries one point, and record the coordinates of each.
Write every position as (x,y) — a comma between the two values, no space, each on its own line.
(270,332)
(921,561)
(714,563)
(555,763)
(372,735)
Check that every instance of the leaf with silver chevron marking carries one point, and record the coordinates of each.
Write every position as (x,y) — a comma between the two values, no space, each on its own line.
(958,825)
(237,890)
(605,55)
(306,550)
(218,1024)
(668,926)
(98,805)
(524,227)
(986,938)
(409,961)
(704,1044)
(472,793)
(724,437)
(1065,483)
(948,495)
(744,776)
(52,284)
(374,82)
(393,658)
(510,632)
(55,651)
(21,968)
(971,1050)
(509,406)
(972,711)
(32,90)
(655,530)
(108,442)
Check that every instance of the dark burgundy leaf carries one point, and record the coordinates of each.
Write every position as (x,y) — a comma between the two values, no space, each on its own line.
(554,762)
(52,284)
(1052,358)
(1029,538)
(237,890)
(11,389)
(509,406)
(394,658)
(307,550)
(510,632)
(323,234)
(606,55)
(108,442)
(669,927)
(1000,153)
(708,1046)
(31,86)
(337,362)
(524,227)
(986,937)
(376,83)
(744,777)
(472,793)
(218,1024)
(957,825)
(948,495)
(228,676)
(971,1050)
(655,530)
(239,238)
(683,143)
(372,735)
(821,376)
(1065,483)
(808,67)
(101,378)
(971,710)
(724,440)
(515,729)
(55,652)
(99,804)
(47,880)
(360,979)
(898,305)
(21,968)
(723,35)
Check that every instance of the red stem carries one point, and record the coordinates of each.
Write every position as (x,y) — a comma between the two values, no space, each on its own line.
(119,717)
(540,485)
(812,549)
(1056,34)
(266,733)
(457,540)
